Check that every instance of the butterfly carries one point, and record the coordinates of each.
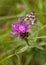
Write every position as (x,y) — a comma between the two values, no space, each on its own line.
(30,18)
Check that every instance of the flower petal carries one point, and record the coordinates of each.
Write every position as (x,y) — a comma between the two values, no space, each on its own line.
(13,33)
(30,27)
(13,26)
(18,36)
(19,21)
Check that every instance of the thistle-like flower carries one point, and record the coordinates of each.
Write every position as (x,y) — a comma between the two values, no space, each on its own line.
(20,28)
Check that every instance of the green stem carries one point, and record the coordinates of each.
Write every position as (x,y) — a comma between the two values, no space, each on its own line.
(14,58)
(27,41)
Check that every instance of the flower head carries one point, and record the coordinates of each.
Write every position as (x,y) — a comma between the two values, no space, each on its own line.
(20,28)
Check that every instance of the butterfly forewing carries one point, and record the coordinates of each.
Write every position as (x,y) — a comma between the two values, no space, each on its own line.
(30,18)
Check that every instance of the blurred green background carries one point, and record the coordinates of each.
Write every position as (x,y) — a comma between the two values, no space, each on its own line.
(17,52)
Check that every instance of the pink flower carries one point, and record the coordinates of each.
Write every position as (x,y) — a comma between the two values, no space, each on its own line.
(20,27)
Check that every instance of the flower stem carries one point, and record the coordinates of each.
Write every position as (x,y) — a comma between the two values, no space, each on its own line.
(27,41)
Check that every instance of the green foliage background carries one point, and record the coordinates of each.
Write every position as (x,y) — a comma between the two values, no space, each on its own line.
(17,52)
